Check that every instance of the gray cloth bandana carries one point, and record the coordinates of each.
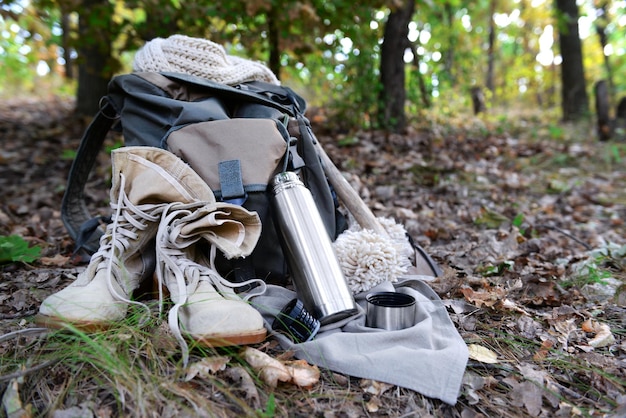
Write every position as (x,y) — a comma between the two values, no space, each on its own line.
(429,358)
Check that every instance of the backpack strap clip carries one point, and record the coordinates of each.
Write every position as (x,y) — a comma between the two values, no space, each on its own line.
(295,160)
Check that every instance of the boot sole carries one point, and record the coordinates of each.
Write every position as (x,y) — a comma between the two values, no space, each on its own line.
(230,340)
(207,341)
(60,323)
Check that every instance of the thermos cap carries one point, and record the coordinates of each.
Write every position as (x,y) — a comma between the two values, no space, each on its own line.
(295,321)
(285,180)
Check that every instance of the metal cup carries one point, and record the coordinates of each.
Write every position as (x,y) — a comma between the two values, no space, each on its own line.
(390,310)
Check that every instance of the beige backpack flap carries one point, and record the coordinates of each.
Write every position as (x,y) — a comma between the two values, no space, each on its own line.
(253,146)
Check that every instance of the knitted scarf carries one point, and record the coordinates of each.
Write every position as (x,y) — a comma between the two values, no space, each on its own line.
(199,57)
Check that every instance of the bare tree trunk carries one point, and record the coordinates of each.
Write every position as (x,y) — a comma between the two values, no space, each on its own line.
(478,99)
(575,103)
(95,67)
(620,112)
(600,23)
(391,113)
(605,130)
(489,79)
(274,40)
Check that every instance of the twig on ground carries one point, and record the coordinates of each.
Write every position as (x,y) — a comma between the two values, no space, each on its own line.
(22,332)
(567,234)
(24,372)
(18,314)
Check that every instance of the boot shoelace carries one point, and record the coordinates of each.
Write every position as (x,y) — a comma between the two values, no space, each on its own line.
(173,255)
(128,219)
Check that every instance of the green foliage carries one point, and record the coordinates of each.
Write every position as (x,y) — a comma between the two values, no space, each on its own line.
(14,248)
(558,186)
(518,222)
(497,270)
(68,154)
(348,140)
(137,369)
(591,274)
(490,219)
(115,145)
(16,59)
(598,266)
(614,154)
(330,51)
(270,408)
(556,132)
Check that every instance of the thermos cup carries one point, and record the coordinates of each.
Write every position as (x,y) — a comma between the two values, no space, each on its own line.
(316,274)
(390,310)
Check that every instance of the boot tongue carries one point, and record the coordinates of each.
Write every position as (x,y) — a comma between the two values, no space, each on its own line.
(156,176)
(232,229)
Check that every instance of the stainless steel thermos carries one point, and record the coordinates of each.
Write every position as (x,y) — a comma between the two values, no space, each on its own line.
(316,274)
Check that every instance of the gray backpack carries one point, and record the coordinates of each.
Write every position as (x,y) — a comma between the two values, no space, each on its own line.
(235,137)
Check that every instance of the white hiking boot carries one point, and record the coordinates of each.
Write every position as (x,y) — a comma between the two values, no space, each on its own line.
(145,181)
(206,307)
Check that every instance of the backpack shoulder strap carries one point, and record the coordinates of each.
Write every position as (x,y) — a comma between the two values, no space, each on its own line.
(74,212)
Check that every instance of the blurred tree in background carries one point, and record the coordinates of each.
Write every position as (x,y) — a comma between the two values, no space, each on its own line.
(392,69)
(351,57)
(575,102)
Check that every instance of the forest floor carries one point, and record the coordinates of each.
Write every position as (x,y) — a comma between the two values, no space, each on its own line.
(526,218)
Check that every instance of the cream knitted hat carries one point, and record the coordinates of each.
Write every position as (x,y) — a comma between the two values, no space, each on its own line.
(199,57)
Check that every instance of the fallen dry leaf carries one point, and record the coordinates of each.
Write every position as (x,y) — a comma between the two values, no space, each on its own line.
(342,380)
(588,326)
(533,374)
(482,354)
(244,381)
(459,306)
(82,410)
(509,304)
(543,351)
(564,330)
(473,382)
(526,394)
(488,298)
(603,335)
(375,387)
(373,405)
(58,260)
(12,403)
(207,366)
(302,373)
(270,370)
(528,327)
